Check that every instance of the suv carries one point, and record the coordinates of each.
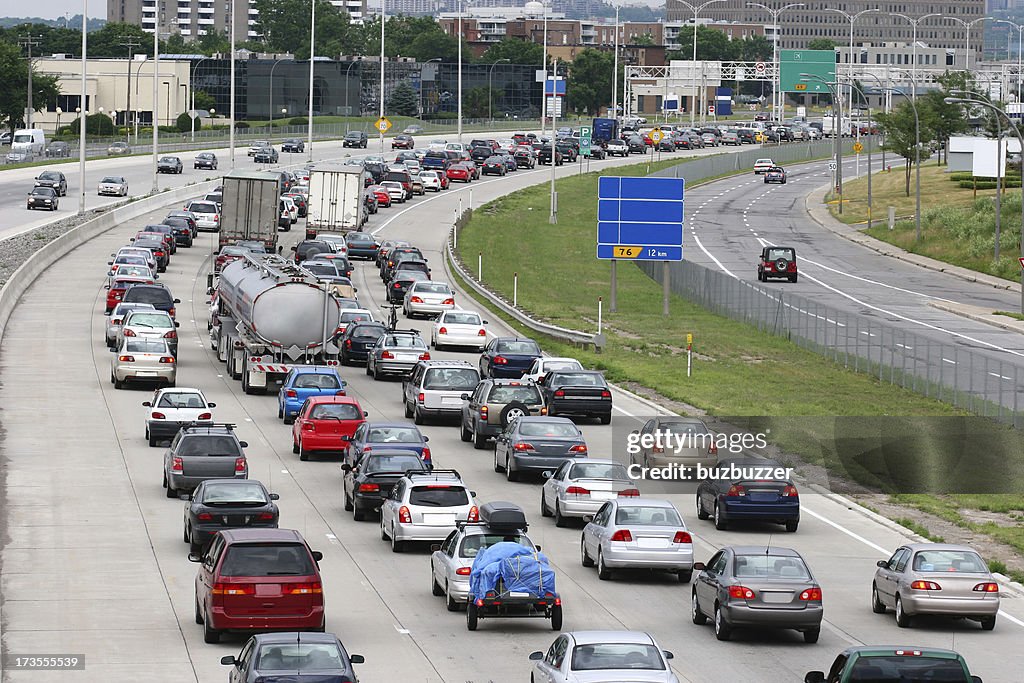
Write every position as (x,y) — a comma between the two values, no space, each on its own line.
(451,561)
(494,404)
(354,138)
(254,579)
(400,175)
(775,262)
(201,452)
(775,174)
(435,388)
(426,506)
(357,340)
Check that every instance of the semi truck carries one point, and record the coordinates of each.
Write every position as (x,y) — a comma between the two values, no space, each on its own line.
(336,198)
(268,315)
(605,130)
(250,209)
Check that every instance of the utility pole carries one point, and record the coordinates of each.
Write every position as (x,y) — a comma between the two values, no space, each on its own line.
(29,41)
(131,45)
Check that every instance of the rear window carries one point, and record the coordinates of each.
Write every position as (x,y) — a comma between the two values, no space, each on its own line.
(146,347)
(396,434)
(241,492)
(321,269)
(368,332)
(149,320)
(598,471)
(355,316)
(181,400)
(202,207)
(438,496)
(605,656)
(335,411)
(405,341)
(267,559)
(579,379)
(519,346)
(949,561)
(524,393)
(907,670)
(432,287)
(359,237)
(209,444)
(770,567)
(637,515)
(149,295)
(316,381)
(530,428)
(472,545)
(451,379)
(462,319)
(393,463)
(774,254)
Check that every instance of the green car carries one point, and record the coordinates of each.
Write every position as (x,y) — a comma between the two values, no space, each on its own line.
(895,664)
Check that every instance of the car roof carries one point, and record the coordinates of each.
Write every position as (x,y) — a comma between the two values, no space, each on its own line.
(596,637)
(546,419)
(917,547)
(351,400)
(259,535)
(773,550)
(375,425)
(286,638)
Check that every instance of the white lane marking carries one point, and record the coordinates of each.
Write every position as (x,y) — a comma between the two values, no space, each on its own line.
(403,631)
(946,360)
(874,282)
(712,256)
(908,348)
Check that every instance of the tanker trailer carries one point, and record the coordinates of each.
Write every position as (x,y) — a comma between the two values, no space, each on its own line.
(282,317)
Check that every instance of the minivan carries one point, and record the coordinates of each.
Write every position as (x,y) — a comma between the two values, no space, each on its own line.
(401,176)
(435,388)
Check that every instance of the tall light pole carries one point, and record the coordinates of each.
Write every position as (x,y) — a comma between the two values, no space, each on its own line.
(775,14)
(131,45)
(615,68)
(490,113)
(381,97)
(696,9)
(967,46)
(834,89)
(312,62)
(156,97)
(1020,34)
(29,41)
(271,89)
(138,110)
(82,110)
(883,88)
(914,23)
(553,217)
(231,107)
(348,72)
(869,137)
(852,18)
(462,10)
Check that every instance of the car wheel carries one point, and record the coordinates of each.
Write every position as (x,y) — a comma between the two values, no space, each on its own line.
(185,535)
(811,635)
(479,441)
(877,606)
(369,370)
(408,409)
(396,545)
(701,514)
(606,419)
(560,521)
(792,278)
(348,503)
(210,635)
(451,604)
(295,446)
(464,434)
(471,616)
(720,523)
(603,572)
(303,453)
(199,614)
(902,618)
(685,576)
(510,474)
(556,618)
(544,512)
(585,558)
(376,374)
(696,616)
(435,587)
(722,629)
(357,514)
(988,623)
(792,525)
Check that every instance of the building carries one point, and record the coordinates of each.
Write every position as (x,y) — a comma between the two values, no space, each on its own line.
(732,30)
(414,7)
(800,25)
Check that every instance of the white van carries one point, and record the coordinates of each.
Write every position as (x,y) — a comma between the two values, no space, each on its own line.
(29,140)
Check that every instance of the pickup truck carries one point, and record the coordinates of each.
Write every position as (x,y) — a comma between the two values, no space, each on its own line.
(201,452)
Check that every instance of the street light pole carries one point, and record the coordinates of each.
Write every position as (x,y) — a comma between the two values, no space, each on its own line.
(869,136)
(82,112)
(348,72)
(553,218)
(777,85)
(834,90)
(312,62)
(696,9)
(914,23)
(271,89)
(490,113)
(192,82)
(615,69)
(156,97)
(967,47)
(29,41)
(852,18)
(383,16)
(435,59)
(231,113)
(1020,37)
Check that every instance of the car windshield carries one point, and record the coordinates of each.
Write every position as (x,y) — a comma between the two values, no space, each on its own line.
(605,656)
(647,515)
(49,175)
(316,381)
(240,492)
(393,463)
(405,341)
(462,319)
(579,379)
(233,251)
(300,657)
(438,495)
(181,399)
(524,347)
(763,566)
(553,429)
(361,238)
(209,444)
(451,379)
(43,191)
(160,320)
(202,207)
(169,160)
(524,393)
(396,434)
(354,316)
(112,180)
(140,346)
(335,411)
(598,471)
(267,559)
(472,545)
(949,561)
(431,287)
(917,669)
(774,254)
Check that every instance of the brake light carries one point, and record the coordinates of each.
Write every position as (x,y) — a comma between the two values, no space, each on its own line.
(204,517)
(403,515)
(302,588)
(291,393)
(482,333)
(177,466)
(448,302)
(483,412)
(735,491)
(712,449)
(129,333)
(813,594)
(266,516)
(397,286)
(171,335)
(239,465)
(741,593)
(167,360)
(463,571)
(559,394)
(206,416)
(474,514)
(116,321)
(158,253)
(987,588)
(908,653)
(387,355)
(419,397)
(425,355)
(308,426)
(925,586)
(577,491)
(578,448)
(415,300)
(682,537)
(500,360)
(426,453)
(789,492)
(234,589)
(606,394)
(629,493)
(443,330)
(623,536)
(369,488)
(126,359)
(348,343)
(523,446)
(171,312)
(159,416)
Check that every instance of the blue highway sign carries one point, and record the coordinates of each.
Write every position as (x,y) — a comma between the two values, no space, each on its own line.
(640,218)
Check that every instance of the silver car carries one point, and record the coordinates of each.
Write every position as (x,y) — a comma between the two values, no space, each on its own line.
(757,587)
(637,533)
(425,506)
(451,561)
(581,486)
(599,656)
(139,252)
(143,360)
(116,316)
(428,299)
(936,579)
(150,325)
(396,353)
(206,213)
(670,439)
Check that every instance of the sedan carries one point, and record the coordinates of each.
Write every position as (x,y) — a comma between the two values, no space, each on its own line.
(459,328)
(205,160)
(113,185)
(403,142)
(637,533)
(709,139)
(171,409)
(494,164)
(775,174)
(361,245)
(458,172)
(580,487)
(577,392)
(754,490)
(54,179)
(265,155)
(430,181)
(293,146)
(42,198)
(369,482)
(296,657)
(936,579)
(396,353)
(169,165)
(428,299)
(395,190)
(508,357)
(370,437)
(116,316)
(142,360)
(324,424)
(757,587)
(218,504)
(545,364)
(671,439)
(118,148)
(592,656)
(382,195)
(536,444)
(150,325)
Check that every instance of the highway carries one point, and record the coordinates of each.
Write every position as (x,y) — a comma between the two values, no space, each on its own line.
(94,561)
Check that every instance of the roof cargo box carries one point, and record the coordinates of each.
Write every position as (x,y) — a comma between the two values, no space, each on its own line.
(501,515)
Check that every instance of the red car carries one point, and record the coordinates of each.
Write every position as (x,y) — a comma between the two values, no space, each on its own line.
(403,142)
(383,198)
(258,580)
(325,424)
(117,288)
(458,172)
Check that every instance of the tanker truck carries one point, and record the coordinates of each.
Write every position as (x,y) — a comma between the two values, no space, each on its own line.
(269,315)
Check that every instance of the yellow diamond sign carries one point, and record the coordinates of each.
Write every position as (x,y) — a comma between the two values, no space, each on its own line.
(858,148)
(656,135)
(383,125)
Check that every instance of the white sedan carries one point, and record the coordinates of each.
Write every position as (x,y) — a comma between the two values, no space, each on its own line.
(428,299)
(430,181)
(544,365)
(395,190)
(113,185)
(762,166)
(585,656)
(170,409)
(459,328)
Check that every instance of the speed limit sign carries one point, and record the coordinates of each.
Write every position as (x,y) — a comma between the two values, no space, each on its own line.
(832,166)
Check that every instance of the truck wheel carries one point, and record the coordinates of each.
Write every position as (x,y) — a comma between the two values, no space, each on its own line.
(556,618)
(472,619)
(465,434)
(479,441)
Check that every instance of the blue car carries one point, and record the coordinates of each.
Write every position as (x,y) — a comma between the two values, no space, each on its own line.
(303,381)
(390,436)
(508,357)
(748,489)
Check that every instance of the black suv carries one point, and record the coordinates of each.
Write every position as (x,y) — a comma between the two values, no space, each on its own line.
(293,145)
(396,256)
(493,404)
(357,340)
(480,154)
(355,138)
(54,179)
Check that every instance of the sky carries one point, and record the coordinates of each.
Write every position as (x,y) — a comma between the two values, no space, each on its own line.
(51,9)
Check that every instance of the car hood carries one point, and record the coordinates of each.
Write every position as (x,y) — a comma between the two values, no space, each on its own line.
(622,676)
(301,677)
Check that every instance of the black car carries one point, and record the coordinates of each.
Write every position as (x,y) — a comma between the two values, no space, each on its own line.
(42,198)
(577,392)
(377,172)
(156,245)
(308,249)
(156,295)
(666,144)
(395,256)
(419,265)
(370,480)
(401,282)
(205,160)
(508,357)
(494,164)
(188,217)
(480,154)
(293,145)
(747,136)
(54,179)
(357,340)
(568,149)
(301,657)
(265,155)
(524,158)
(181,229)
(597,152)
(168,165)
(355,138)
(218,504)
(544,155)
(636,145)
(58,149)
(361,245)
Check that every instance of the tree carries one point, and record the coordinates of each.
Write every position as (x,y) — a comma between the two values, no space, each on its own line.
(899,129)
(821,44)
(756,49)
(419,37)
(712,45)
(403,101)
(285,25)
(590,80)
(204,100)
(214,41)
(475,102)
(515,50)
(645,39)
(184,122)
(14,93)
(95,124)
(106,43)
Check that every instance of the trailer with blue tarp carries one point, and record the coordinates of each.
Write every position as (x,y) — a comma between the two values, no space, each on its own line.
(508,580)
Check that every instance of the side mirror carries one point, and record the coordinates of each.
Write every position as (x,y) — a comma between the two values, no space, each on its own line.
(884,564)
(434,547)
(699,566)
(345,467)
(465,397)
(195,557)
(317,555)
(815,677)
(356,659)
(366,414)
(106,287)
(537,656)
(228,660)
(547,474)
(177,324)
(293,248)
(243,444)
(211,405)
(426,439)
(668,654)
(110,263)
(185,497)
(177,301)
(473,493)
(537,548)
(148,404)
(275,496)
(587,519)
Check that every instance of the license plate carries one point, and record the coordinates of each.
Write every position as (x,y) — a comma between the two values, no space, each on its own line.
(438,519)
(145,373)
(776,597)
(518,594)
(452,401)
(642,542)
(602,495)
(406,356)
